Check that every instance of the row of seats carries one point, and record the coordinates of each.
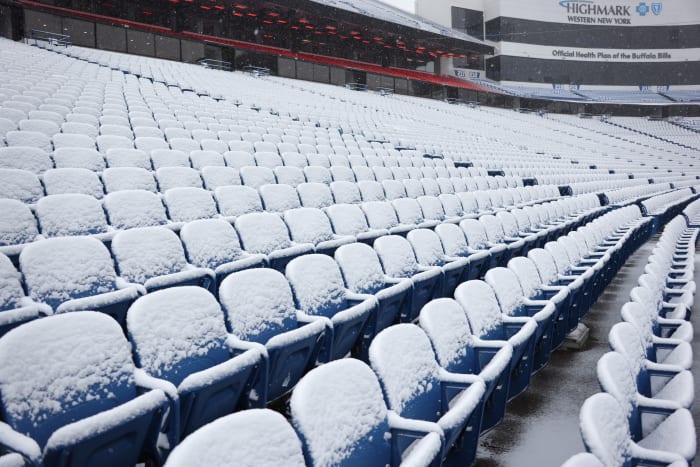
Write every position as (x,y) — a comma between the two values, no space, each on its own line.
(642,414)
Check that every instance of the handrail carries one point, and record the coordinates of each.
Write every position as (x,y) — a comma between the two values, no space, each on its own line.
(52,38)
(256,70)
(216,64)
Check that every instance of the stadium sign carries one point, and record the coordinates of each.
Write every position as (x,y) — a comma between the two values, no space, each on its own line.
(597,55)
(590,12)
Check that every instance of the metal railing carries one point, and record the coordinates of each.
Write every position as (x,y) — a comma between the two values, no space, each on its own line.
(256,70)
(216,64)
(51,37)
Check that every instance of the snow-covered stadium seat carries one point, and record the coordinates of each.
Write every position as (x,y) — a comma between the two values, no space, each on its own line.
(127,209)
(71,214)
(310,225)
(429,252)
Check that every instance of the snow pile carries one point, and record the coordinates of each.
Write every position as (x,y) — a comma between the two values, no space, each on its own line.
(210,242)
(128,157)
(128,178)
(61,181)
(26,158)
(254,438)
(60,269)
(308,225)
(396,255)
(258,304)
(71,214)
(215,177)
(187,204)
(127,209)
(174,177)
(361,268)
(83,158)
(279,197)
(338,410)
(480,303)
(238,200)
(262,232)
(317,284)
(147,252)
(62,368)
(177,332)
(32,139)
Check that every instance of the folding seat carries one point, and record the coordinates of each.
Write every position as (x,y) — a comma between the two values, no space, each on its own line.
(477,238)
(432,208)
(17,226)
(268,159)
(668,303)
(315,195)
(169,158)
(15,307)
(199,135)
(344,389)
(293,176)
(33,139)
(415,388)
(176,177)
(239,159)
(65,140)
(25,158)
(487,322)
(371,191)
(72,274)
(363,173)
(410,213)
(428,250)
(127,209)
(46,127)
(201,159)
(294,159)
(349,219)
(339,173)
(458,351)
(496,235)
(185,204)
(310,225)
(305,148)
(215,177)
(382,173)
(266,233)
(148,131)
(255,177)
(430,187)
(317,174)
(259,307)
(56,351)
(144,119)
(414,188)
(605,430)
(20,185)
(236,200)
(346,193)
(251,137)
(71,214)
(513,302)
(128,157)
(179,338)
(82,158)
(278,197)
(381,215)
(393,189)
(61,181)
(173,132)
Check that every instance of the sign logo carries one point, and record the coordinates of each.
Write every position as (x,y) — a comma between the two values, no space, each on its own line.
(656,8)
(643,9)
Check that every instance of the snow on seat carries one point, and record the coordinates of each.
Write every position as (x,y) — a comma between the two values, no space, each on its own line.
(265,233)
(154,257)
(15,307)
(201,159)
(279,197)
(215,177)
(488,323)
(33,139)
(670,302)
(25,158)
(53,408)
(71,214)
(459,351)
(169,158)
(341,173)
(150,143)
(346,193)
(294,159)
(513,302)
(293,176)
(75,273)
(177,177)
(259,307)
(254,437)
(179,337)
(606,434)
(61,181)
(236,200)
(214,244)
(382,216)
(268,159)
(46,127)
(127,209)
(477,238)
(127,157)
(319,291)
(315,195)
(81,158)
(393,189)
(416,387)
(255,177)
(429,252)
(311,225)
(128,178)
(185,145)
(495,233)
(583,459)
(79,128)
(410,213)
(316,174)
(452,207)
(17,226)
(454,243)
(371,191)
(348,219)
(187,204)
(340,415)
(398,260)
(239,159)
(123,131)
(20,185)
(64,140)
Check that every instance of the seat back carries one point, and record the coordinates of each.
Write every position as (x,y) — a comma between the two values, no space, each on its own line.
(475,233)
(506,286)
(308,225)
(343,398)
(403,359)
(315,195)
(251,437)
(127,209)
(371,190)
(209,243)
(626,339)
(445,323)
(426,247)
(605,430)
(236,200)
(408,210)
(71,214)
(82,181)
(60,269)
(25,158)
(147,252)
(262,232)
(11,292)
(453,240)
(73,365)
(483,311)
(258,304)
(317,284)
(176,332)
(527,274)
(361,268)
(616,379)
(128,178)
(396,255)
(279,197)
(17,223)
(380,214)
(347,219)
(545,263)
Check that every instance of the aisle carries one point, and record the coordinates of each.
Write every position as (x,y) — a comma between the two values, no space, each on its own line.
(541,425)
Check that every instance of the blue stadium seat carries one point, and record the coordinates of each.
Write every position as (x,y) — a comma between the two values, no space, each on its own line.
(477,239)
(428,249)
(71,214)
(454,242)
(15,307)
(311,225)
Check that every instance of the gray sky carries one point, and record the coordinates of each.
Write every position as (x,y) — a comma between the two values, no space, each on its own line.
(408,5)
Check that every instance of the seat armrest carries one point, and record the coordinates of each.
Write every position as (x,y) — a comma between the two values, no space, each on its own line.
(19,443)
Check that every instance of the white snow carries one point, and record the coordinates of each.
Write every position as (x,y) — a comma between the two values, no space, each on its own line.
(17,224)
(279,197)
(127,157)
(128,178)
(604,429)
(174,177)
(308,225)
(235,201)
(71,214)
(210,242)
(361,268)
(480,303)
(445,322)
(347,219)
(426,246)
(187,204)
(346,192)
(169,158)
(147,252)
(506,286)
(82,181)
(26,158)
(545,264)
(11,292)
(380,214)
(262,232)
(83,158)
(21,185)
(127,209)
(317,284)
(396,255)
(215,177)
(315,195)
(475,233)
(453,240)
(336,406)
(254,438)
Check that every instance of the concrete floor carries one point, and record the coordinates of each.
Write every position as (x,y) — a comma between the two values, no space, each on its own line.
(541,426)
